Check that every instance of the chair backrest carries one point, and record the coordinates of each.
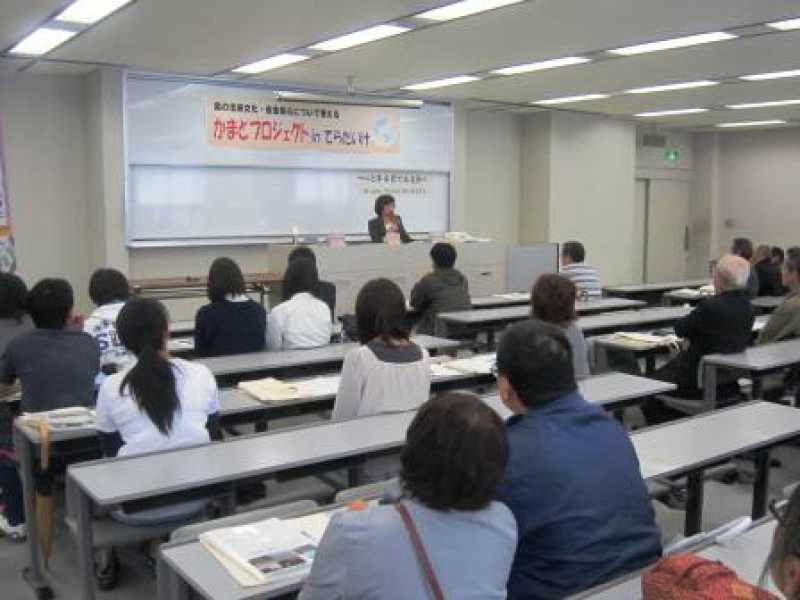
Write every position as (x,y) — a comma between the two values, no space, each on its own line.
(371,491)
(288,510)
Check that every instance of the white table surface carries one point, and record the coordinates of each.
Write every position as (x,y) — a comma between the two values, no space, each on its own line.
(759,358)
(632,319)
(664,286)
(514,313)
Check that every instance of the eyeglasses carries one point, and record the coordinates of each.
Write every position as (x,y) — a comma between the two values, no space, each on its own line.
(777,508)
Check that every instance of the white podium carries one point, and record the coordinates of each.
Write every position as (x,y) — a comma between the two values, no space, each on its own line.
(349,268)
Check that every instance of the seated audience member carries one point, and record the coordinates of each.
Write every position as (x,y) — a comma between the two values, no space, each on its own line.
(777,256)
(444,289)
(574,268)
(793,251)
(573,480)
(743,248)
(454,458)
(302,320)
(56,365)
(14,321)
(327,290)
(553,301)
(720,324)
(388,372)
(784,323)
(233,323)
(769,275)
(109,290)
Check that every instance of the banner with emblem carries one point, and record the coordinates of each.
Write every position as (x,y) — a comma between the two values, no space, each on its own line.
(8,257)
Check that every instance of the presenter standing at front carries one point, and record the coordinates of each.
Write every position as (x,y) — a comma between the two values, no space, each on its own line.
(387,227)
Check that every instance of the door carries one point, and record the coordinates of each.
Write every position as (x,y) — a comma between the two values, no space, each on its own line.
(667,230)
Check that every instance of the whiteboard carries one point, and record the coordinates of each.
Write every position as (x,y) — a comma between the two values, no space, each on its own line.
(181,188)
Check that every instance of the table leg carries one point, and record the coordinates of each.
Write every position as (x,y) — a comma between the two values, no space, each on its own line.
(169,585)
(352,476)
(649,364)
(84,540)
(710,387)
(761,484)
(694,503)
(758,386)
(24,450)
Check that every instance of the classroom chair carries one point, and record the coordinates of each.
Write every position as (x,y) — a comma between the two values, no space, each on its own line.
(291,509)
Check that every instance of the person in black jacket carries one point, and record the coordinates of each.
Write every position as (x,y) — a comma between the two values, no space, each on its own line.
(743,247)
(232,323)
(721,324)
(326,290)
(769,275)
(387,222)
(442,290)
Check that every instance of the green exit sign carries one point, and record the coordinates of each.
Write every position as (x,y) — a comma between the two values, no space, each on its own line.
(672,155)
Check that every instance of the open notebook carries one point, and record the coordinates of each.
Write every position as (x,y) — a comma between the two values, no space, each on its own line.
(76,417)
(269,551)
(275,390)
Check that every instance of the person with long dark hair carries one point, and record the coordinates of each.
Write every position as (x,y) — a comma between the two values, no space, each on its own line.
(232,323)
(302,320)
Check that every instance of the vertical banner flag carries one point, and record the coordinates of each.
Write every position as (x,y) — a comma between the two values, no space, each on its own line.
(8,259)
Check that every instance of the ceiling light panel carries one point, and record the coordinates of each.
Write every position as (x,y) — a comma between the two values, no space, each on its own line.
(671,113)
(769,76)
(87,12)
(571,99)
(752,123)
(671,44)
(669,87)
(543,65)
(788,25)
(438,83)
(41,41)
(769,104)
(273,62)
(357,38)
(464,9)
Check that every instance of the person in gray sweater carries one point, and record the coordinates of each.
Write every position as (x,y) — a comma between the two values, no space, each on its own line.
(444,289)
(553,301)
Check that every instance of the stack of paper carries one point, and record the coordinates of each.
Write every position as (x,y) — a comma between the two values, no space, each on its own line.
(645,340)
(480,364)
(76,417)
(442,370)
(268,551)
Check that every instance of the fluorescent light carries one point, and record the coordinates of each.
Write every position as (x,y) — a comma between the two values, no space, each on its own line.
(273,62)
(360,37)
(41,41)
(568,99)
(785,25)
(543,65)
(681,42)
(87,12)
(670,113)
(463,9)
(752,123)
(437,83)
(763,104)
(775,75)
(671,87)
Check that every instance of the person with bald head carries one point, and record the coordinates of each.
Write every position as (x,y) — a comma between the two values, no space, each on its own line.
(721,324)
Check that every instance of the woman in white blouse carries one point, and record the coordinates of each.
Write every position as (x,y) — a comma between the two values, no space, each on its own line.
(302,320)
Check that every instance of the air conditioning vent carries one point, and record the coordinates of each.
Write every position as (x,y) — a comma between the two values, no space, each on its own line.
(654,140)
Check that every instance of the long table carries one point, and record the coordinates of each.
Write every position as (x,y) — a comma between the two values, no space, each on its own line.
(652,292)
(488,320)
(745,554)
(683,447)
(755,362)
(581,306)
(768,303)
(291,361)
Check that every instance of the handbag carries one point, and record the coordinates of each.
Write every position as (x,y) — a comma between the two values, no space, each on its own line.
(690,577)
(419,551)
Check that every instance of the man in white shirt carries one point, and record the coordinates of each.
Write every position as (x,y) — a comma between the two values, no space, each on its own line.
(573,267)
(109,290)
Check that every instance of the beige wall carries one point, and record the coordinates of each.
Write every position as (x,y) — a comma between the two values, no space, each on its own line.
(534,214)
(44,121)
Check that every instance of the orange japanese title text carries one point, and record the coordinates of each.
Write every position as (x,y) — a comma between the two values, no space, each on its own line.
(278,125)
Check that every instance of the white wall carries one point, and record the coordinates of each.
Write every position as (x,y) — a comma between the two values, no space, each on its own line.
(493,177)
(534,215)
(759,187)
(45,145)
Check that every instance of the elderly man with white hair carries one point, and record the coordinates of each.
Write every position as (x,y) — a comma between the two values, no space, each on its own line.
(721,324)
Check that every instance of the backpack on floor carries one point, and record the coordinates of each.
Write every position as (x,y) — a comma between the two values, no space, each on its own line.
(690,577)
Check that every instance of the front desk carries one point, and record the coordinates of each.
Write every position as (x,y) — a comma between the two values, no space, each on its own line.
(350,267)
